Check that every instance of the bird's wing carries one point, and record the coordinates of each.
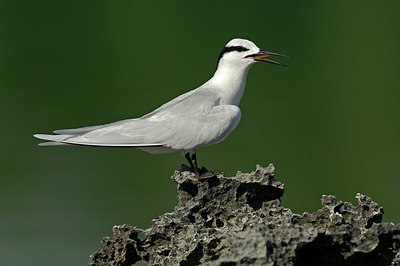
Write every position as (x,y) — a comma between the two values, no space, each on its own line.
(76,131)
(105,135)
(181,99)
(188,132)
(83,130)
(187,122)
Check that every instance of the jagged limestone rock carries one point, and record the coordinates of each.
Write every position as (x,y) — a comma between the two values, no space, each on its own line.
(239,221)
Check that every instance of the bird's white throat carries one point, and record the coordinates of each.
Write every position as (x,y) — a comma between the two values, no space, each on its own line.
(230,81)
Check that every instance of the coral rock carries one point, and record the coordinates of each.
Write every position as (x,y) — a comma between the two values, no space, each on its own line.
(239,221)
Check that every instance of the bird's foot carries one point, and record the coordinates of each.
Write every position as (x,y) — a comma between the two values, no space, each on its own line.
(200,173)
(203,173)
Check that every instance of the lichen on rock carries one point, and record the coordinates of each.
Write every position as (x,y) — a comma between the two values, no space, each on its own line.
(239,221)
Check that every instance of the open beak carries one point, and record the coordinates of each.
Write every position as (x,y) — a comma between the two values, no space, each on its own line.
(262,57)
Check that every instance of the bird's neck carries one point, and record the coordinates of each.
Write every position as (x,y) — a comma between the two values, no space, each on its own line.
(230,83)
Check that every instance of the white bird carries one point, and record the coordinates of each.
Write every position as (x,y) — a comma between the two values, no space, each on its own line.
(200,117)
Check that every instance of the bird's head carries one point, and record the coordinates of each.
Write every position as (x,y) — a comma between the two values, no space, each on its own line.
(242,53)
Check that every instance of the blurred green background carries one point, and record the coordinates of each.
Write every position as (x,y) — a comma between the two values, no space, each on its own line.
(329,123)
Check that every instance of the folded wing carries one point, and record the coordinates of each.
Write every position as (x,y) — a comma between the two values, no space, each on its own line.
(192,120)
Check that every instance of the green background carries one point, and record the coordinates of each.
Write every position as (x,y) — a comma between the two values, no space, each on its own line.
(329,122)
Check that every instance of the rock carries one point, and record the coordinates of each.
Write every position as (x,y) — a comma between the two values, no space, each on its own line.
(240,221)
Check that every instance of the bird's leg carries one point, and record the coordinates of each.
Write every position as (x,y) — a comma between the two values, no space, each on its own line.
(194,163)
(187,156)
(192,159)
(200,173)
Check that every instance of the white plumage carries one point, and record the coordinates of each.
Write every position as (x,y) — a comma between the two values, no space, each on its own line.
(201,117)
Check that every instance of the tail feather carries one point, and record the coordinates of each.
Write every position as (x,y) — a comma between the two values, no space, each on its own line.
(55,140)
(53,143)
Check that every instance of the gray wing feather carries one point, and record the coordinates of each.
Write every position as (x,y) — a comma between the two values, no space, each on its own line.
(75,131)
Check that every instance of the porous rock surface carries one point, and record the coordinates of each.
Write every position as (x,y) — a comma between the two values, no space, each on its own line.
(240,221)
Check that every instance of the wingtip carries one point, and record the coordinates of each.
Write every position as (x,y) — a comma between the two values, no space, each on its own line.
(39,136)
(36,136)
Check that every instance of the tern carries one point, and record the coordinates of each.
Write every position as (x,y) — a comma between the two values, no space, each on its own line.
(197,118)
